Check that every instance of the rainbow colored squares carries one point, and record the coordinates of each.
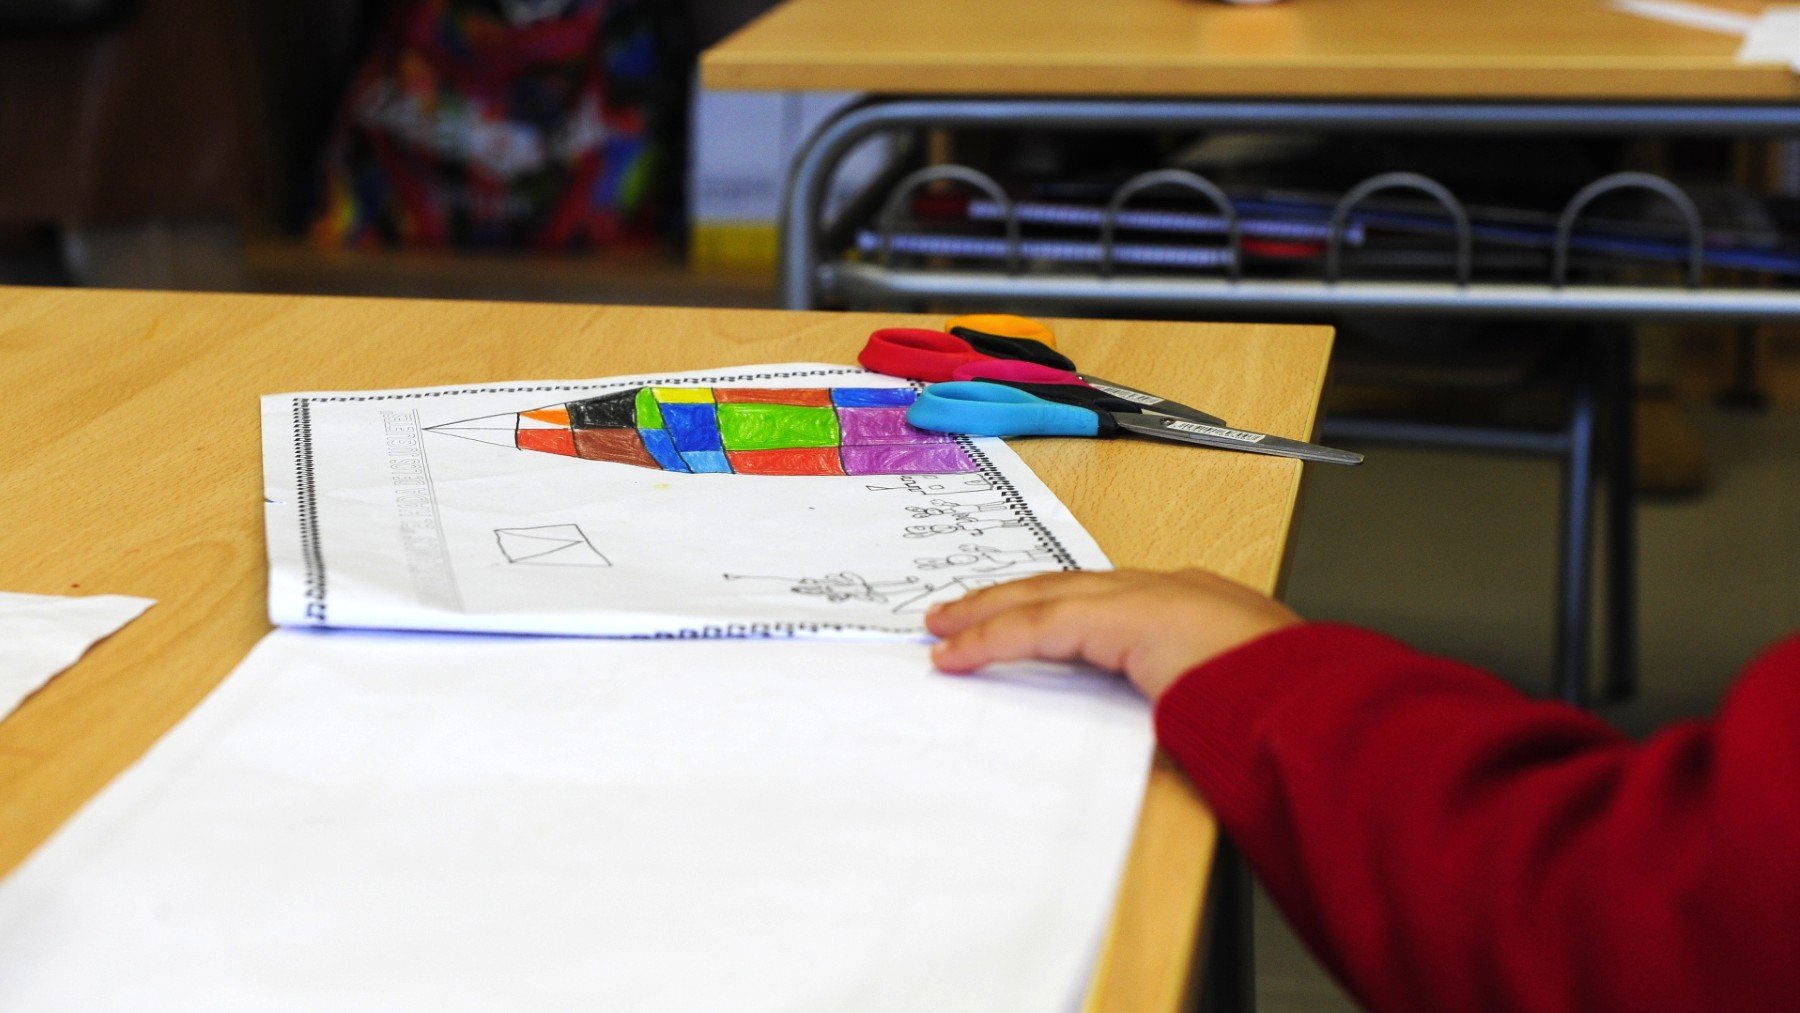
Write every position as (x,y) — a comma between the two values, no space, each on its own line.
(732,430)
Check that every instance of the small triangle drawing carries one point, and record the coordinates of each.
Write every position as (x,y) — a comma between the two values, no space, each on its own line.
(549,545)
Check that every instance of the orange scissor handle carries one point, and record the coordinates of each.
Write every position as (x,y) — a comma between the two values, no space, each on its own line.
(1002,325)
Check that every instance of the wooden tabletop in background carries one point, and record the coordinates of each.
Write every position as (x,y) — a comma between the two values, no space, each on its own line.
(1477,49)
(130,463)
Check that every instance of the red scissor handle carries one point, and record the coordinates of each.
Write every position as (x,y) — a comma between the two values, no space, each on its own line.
(917,354)
(1016,371)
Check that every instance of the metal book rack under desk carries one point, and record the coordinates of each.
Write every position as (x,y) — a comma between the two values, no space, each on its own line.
(818,268)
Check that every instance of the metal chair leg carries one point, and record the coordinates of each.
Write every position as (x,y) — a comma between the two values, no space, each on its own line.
(1575,594)
(1745,391)
(1228,971)
(1620,468)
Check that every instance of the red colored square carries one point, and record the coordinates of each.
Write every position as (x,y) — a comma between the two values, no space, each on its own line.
(549,441)
(806,397)
(797,461)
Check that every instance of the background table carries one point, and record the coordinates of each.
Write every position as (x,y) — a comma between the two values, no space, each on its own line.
(1489,49)
(130,455)
(1399,66)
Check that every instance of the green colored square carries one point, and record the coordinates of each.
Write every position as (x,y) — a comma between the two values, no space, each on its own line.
(754,426)
(649,413)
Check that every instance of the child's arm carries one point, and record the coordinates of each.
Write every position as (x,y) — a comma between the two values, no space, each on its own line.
(1440,840)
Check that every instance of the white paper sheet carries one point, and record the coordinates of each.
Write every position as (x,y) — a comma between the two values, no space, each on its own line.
(1773,38)
(404,821)
(42,634)
(1685,14)
(376,521)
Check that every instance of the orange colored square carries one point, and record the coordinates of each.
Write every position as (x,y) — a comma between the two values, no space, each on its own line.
(549,441)
(805,397)
(796,461)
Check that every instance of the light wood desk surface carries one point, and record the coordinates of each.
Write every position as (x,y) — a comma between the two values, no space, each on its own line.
(130,464)
(1473,49)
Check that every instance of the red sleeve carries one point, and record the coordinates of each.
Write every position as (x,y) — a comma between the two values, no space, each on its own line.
(1443,842)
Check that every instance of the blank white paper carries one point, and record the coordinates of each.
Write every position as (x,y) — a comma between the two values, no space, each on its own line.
(388,510)
(1682,13)
(1773,38)
(42,634)
(415,822)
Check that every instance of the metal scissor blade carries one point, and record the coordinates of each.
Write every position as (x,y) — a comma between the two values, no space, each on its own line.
(1152,403)
(1226,438)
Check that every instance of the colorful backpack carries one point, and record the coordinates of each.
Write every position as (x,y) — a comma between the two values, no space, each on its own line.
(503,123)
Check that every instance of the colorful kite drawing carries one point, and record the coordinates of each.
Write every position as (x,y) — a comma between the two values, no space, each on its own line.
(732,430)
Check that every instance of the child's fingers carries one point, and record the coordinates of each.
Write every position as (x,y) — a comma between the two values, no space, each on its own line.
(1040,630)
(954,617)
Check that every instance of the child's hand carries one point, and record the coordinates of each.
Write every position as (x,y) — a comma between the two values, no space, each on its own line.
(1150,626)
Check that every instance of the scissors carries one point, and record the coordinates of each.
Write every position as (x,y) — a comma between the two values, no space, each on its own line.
(1003,349)
(979,408)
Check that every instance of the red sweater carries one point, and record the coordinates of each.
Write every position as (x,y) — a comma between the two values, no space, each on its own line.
(1445,843)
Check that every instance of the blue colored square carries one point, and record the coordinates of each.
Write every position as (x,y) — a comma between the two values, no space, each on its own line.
(692,426)
(663,449)
(871,397)
(707,462)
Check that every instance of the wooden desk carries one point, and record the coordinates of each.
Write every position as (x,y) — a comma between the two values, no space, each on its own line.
(1474,49)
(130,459)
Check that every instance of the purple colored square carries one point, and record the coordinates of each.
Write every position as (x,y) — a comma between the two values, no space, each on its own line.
(905,459)
(863,426)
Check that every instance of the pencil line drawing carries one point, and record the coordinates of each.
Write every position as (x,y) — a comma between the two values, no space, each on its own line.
(907,595)
(548,545)
(842,586)
(937,485)
(813,431)
(951,508)
(985,559)
(975,527)
(950,590)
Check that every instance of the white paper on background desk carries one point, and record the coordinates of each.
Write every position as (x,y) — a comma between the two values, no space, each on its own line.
(411,821)
(1686,14)
(42,634)
(374,521)
(1773,36)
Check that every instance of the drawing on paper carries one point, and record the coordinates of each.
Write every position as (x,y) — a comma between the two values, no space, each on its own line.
(549,545)
(842,586)
(950,590)
(906,594)
(984,558)
(937,485)
(948,517)
(732,430)
(951,508)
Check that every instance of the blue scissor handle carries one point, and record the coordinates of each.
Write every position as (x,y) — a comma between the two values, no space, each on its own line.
(973,408)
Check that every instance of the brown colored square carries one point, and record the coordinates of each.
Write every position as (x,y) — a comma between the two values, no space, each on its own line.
(621,445)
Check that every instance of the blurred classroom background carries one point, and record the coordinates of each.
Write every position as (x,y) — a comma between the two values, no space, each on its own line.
(563,150)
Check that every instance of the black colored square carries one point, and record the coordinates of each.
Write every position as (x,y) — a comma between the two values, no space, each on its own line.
(608,411)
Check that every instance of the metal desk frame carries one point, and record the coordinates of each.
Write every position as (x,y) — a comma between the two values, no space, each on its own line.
(809,278)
